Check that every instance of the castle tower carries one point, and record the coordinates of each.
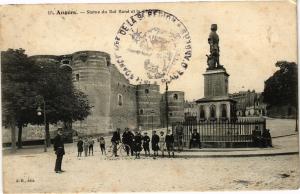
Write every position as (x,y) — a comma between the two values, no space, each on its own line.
(176,106)
(148,105)
(91,74)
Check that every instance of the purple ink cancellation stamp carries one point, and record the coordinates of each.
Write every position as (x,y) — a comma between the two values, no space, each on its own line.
(152,46)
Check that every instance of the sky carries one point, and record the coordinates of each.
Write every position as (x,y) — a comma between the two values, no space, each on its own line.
(253,36)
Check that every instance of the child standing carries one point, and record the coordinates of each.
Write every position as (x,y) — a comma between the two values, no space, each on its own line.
(79,147)
(146,141)
(91,146)
(85,146)
(170,143)
(162,143)
(137,142)
(154,142)
(102,145)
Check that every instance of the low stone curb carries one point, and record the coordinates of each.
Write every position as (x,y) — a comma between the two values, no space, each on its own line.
(232,155)
(285,135)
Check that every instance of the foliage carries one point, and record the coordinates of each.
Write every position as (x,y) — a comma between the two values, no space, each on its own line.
(18,87)
(28,83)
(282,87)
(63,102)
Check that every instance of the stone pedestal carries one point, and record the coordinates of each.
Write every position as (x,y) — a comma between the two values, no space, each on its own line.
(216,104)
(215,83)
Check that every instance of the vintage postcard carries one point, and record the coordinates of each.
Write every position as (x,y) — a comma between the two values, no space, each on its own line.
(149,97)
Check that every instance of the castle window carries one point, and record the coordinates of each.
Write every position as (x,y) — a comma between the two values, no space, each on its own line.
(146,91)
(77,77)
(141,111)
(175,96)
(66,62)
(170,114)
(120,100)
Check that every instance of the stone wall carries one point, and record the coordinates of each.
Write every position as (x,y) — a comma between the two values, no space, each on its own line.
(148,105)
(123,103)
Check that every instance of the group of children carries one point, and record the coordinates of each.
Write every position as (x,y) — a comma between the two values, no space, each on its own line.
(162,141)
(85,144)
(136,142)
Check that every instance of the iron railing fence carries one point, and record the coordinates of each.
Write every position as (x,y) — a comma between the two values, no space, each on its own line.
(219,131)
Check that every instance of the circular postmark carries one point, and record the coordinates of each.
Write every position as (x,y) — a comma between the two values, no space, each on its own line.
(152,46)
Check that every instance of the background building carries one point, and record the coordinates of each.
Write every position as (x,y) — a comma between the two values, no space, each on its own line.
(249,103)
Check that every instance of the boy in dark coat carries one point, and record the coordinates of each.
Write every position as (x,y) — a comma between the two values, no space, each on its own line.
(170,143)
(146,141)
(154,143)
(79,147)
(59,150)
(91,146)
(137,142)
(127,138)
(115,140)
(102,145)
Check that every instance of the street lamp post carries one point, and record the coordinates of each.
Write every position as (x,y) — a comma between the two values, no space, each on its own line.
(152,114)
(167,106)
(147,111)
(39,113)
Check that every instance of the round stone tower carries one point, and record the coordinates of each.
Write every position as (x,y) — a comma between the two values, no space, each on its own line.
(91,75)
(148,105)
(176,106)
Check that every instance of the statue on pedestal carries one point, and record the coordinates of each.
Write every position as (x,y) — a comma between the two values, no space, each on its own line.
(213,41)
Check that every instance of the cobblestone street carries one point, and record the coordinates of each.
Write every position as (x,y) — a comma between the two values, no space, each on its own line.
(95,173)
(184,173)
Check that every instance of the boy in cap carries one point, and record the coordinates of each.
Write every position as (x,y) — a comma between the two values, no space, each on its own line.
(154,143)
(115,140)
(170,143)
(137,142)
(146,141)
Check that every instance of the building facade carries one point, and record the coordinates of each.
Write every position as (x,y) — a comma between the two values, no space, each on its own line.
(249,103)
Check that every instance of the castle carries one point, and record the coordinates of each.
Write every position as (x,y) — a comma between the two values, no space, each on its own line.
(116,103)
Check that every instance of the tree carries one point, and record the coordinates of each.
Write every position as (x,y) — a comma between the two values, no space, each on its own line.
(25,82)
(282,87)
(18,91)
(63,101)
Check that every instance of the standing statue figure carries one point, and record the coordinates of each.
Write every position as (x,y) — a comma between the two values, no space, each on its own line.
(213,41)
